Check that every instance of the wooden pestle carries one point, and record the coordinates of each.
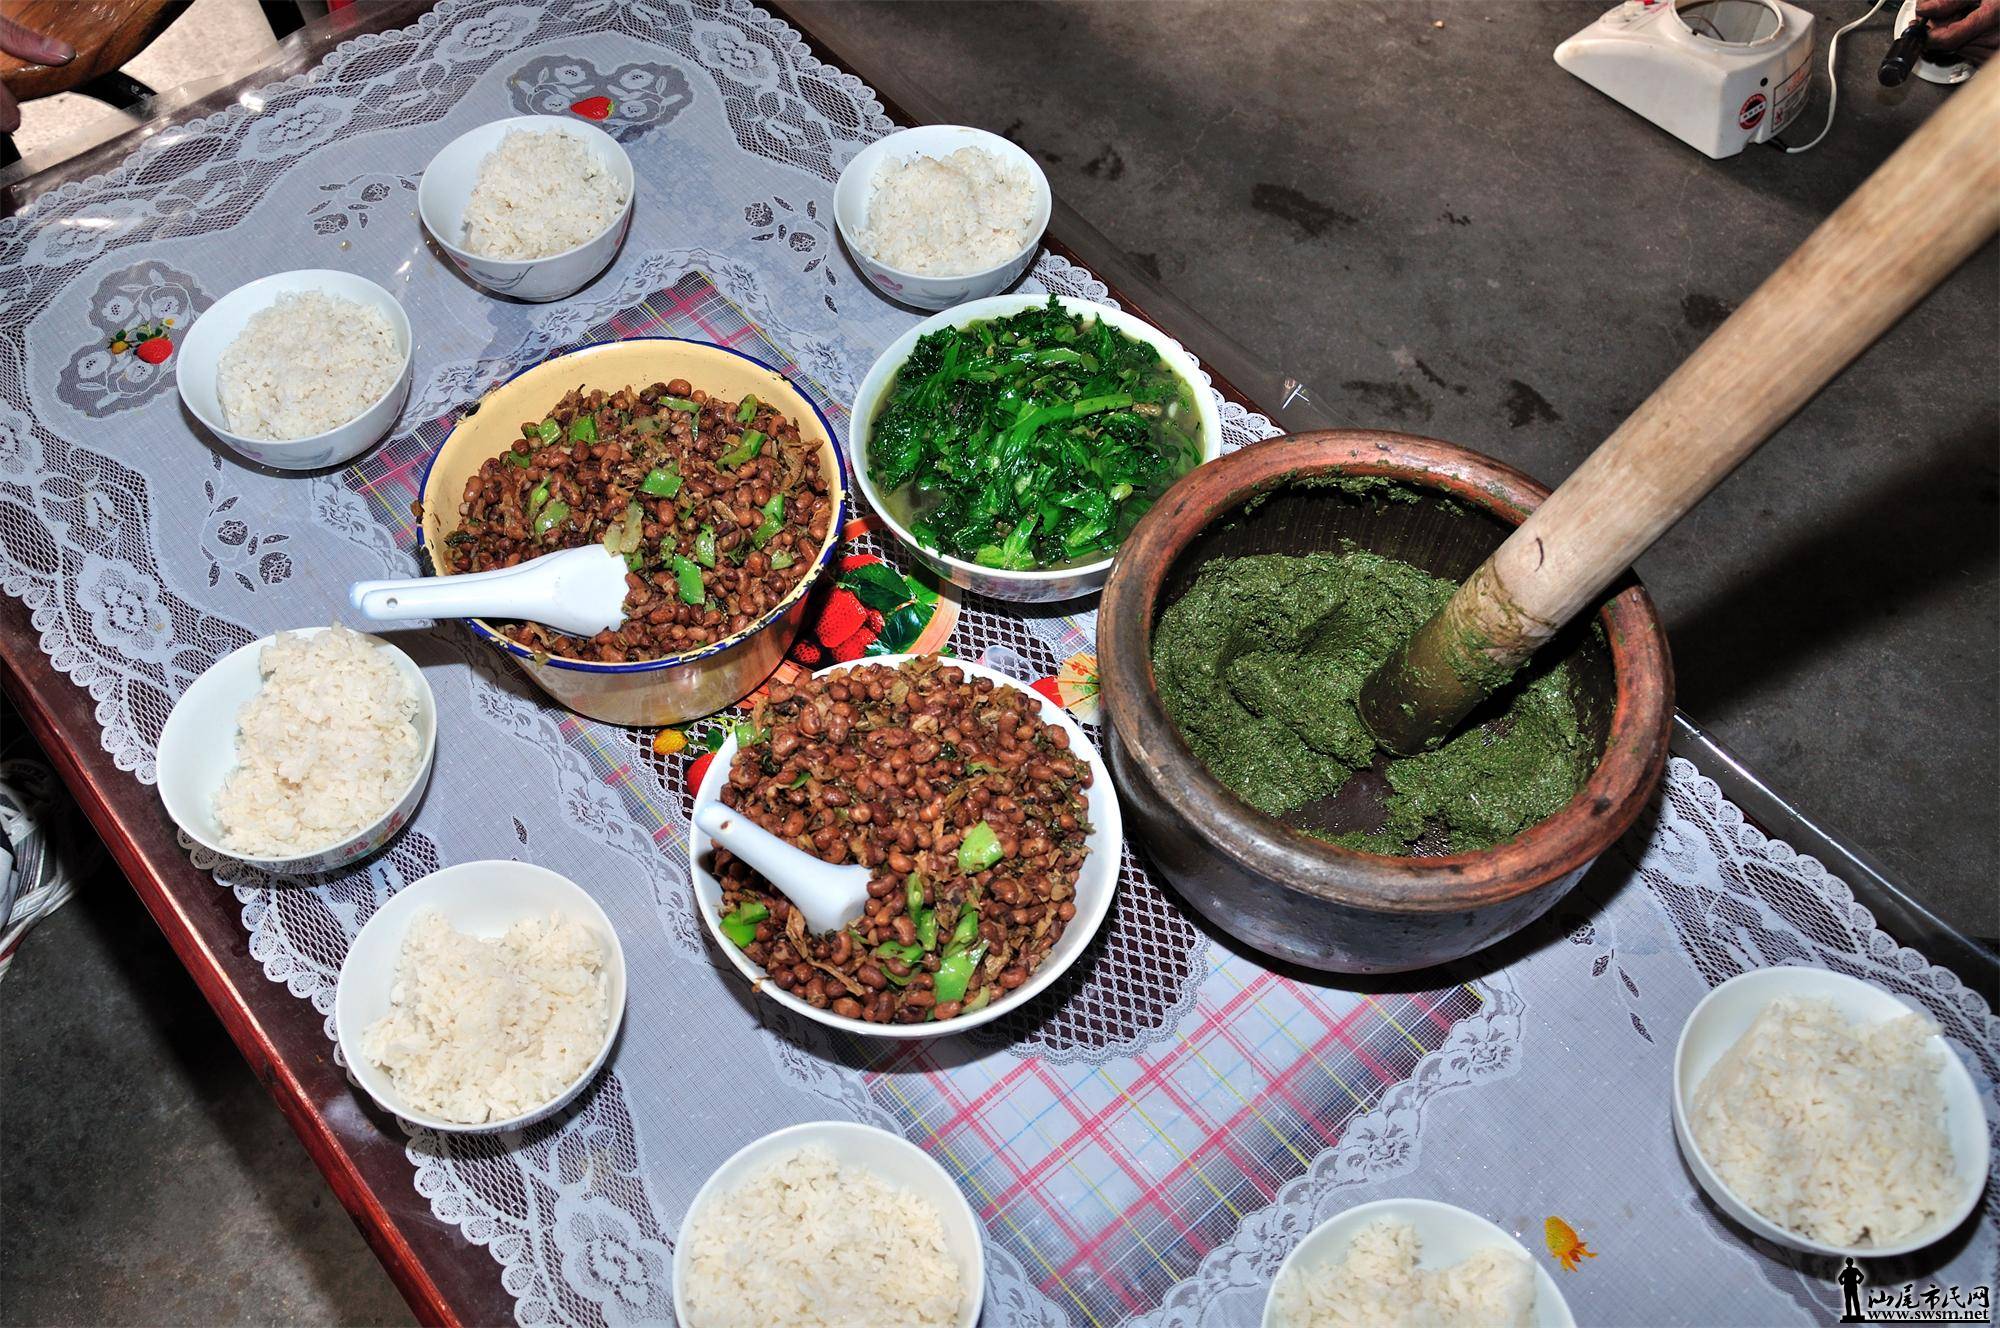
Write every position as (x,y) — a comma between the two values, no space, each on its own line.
(1922,213)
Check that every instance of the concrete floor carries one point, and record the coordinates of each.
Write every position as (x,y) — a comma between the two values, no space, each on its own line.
(145,1177)
(1441,232)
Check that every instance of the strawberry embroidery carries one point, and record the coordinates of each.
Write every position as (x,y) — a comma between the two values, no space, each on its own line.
(151,342)
(842,618)
(594,108)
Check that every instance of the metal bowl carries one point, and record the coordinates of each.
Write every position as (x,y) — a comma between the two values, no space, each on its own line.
(673,688)
(1264,880)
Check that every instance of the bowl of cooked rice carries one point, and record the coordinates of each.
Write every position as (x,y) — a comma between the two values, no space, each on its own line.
(483,998)
(941,214)
(1828,1115)
(532,207)
(300,753)
(298,370)
(1413,1261)
(829,1222)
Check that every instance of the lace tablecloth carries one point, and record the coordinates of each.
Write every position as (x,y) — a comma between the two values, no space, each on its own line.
(1146,1144)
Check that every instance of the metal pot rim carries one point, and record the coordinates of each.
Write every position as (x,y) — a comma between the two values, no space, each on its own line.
(837,523)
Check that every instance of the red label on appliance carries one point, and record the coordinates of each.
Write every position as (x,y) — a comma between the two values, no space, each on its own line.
(1752,113)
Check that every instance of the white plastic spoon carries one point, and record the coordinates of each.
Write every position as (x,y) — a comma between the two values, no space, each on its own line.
(579,591)
(829,896)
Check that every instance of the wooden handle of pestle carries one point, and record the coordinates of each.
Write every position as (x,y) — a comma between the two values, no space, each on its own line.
(1921,214)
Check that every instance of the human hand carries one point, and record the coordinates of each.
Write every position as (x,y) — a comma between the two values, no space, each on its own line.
(1969,29)
(33,47)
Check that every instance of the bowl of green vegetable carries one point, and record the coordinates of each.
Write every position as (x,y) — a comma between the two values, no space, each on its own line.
(1012,443)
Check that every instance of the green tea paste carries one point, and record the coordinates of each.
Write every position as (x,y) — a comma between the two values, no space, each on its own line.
(1259,664)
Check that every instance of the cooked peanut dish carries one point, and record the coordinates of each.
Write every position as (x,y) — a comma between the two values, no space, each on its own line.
(967,807)
(719,509)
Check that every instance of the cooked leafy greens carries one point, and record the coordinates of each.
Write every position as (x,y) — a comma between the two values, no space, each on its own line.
(1035,440)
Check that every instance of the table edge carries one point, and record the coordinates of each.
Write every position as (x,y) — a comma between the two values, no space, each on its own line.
(146,847)
(198,917)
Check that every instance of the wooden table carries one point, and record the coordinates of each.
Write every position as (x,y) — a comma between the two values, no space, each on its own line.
(446,1279)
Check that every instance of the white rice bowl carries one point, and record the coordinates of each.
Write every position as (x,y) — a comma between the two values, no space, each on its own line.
(1377,1283)
(323,750)
(809,1241)
(486,1030)
(304,366)
(540,193)
(1830,1129)
(948,216)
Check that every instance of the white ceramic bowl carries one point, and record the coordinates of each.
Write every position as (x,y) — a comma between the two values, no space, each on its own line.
(1095,885)
(1726,1013)
(850,211)
(447,186)
(198,748)
(211,334)
(481,899)
(1448,1234)
(1028,587)
(891,1157)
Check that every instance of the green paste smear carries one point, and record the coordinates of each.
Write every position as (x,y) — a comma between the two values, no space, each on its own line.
(1259,664)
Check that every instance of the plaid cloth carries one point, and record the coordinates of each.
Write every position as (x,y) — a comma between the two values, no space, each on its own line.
(1111,1182)
(1107,1178)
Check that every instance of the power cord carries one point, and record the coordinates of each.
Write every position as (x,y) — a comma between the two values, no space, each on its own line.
(1832,83)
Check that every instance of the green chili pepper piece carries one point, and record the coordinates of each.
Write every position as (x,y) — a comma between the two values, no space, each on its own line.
(781,560)
(748,734)
(979,849)
(955,973)
(661,482)
(979,1001)
(927,928)
(680,403)
(749,446)
(689,577)
(552,516)
(536,497)
(548,430)
(967,930)
(521,459)
(704,546)
(740,923)
(800,780)
(908,954)
(583,429)
(531,431)
(747,411)
(635,560)
(774,521)
(913,887)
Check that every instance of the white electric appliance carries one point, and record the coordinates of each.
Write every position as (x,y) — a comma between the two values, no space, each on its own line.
(1717,74)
